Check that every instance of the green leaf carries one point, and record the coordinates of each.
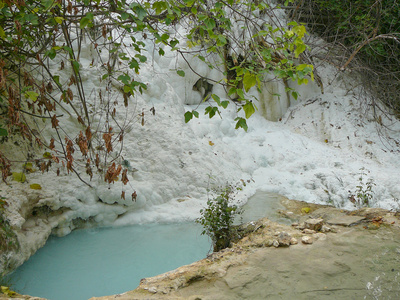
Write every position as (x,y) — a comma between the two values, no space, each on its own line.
(47,155)
(3,132)
(142,58)
(241,123)
(125,79)
(196,113)
(181,73)
(173,43)
(210,23)
(300,48)
(240,93)
(161,52)
(69,50)
(249,80)
(31,95)
(75,65)
(188,116)
(140,12)
(56,78)
(216,99)
(20,177)
(299,30)
(51,53)
(125,16)
(59,20)
(224,104)
(249,109)
(86,20)
(211,111)
(2,33)
(160,6)
(134,65)
(35,186)
(32,19)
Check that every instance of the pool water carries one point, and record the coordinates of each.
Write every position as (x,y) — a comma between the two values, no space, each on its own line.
(105,261)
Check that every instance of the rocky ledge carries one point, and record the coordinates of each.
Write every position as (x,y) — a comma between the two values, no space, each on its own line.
(326,253)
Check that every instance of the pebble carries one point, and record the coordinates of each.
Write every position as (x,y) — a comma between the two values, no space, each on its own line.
(307,240)
(314,224)
(284,239)
(325,228)
(320,236)
(152,290)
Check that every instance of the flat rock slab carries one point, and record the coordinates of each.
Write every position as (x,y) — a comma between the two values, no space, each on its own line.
(345,220)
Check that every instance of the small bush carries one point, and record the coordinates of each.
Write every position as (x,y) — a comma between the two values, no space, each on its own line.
(218,217)
(364,191)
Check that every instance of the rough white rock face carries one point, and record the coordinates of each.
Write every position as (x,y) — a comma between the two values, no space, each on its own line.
(28,221)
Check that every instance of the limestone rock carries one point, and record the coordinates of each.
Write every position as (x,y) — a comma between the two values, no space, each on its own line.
(325,228)
(345,220)
(319,236)
(284,239)
(314,224)
(307,240)
(309,231)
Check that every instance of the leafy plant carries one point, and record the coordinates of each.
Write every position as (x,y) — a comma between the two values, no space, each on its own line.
(363,193)
(218,217)
(369,32)
(42,74)
(259,52)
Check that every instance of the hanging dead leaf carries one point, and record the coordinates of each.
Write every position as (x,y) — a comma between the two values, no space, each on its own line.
(49,87)
(80,120)
(112,173)
(88,133)
(51,145)
(97,161)
(107,140)
(82,143)
(54,121)
(134,196)
(124,178)
(104,31)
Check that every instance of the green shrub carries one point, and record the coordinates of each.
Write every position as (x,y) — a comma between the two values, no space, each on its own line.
(369,31)
(218,217)
(364,191)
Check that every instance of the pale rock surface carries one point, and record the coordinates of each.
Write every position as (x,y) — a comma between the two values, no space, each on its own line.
(307,240)
(314,224)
